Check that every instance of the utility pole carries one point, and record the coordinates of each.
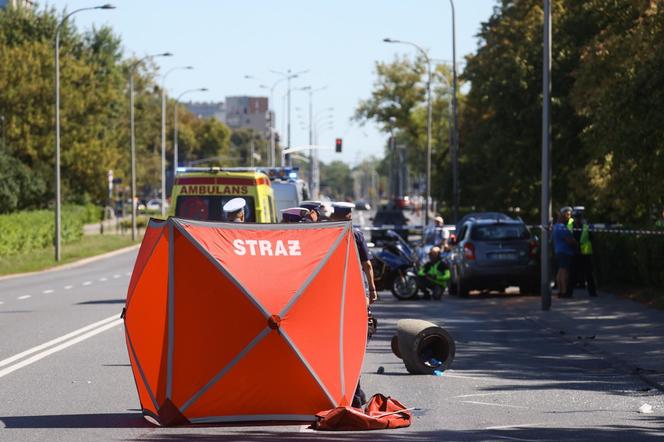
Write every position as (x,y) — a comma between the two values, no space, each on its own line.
(546,163)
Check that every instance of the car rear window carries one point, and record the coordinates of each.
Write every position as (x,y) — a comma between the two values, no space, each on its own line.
(499,232)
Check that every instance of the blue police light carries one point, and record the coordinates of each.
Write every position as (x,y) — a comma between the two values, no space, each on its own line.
(292,175)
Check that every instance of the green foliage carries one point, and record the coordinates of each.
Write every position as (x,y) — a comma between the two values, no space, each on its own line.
(636,260)
(31,230)
(94,114)
(607,96)
(398,103)
(336,180)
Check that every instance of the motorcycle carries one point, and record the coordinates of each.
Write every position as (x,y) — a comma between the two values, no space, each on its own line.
(395,267)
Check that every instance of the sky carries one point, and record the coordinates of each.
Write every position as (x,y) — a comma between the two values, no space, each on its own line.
(337,41)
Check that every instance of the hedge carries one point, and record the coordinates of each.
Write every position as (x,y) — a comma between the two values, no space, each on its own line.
(29,230)
(629,259)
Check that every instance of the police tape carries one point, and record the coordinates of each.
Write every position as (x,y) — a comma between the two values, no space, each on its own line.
(591,229)
(594,229)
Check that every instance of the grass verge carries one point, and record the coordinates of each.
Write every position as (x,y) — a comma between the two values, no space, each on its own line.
(89,245)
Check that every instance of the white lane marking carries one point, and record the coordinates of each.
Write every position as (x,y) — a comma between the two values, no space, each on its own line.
(24,297)
(502,427)
(2,302)
(446,375)
(87,283)
(56,340)
(103,279)
(116,276)
(62,346)
(479,394)
(46,292)
(494,405)
(69,287)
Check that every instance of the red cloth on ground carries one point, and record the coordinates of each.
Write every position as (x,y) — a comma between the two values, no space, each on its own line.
(380,413)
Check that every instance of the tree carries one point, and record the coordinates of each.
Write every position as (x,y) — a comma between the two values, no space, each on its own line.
(336,180)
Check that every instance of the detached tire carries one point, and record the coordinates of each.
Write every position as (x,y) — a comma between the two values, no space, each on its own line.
(404,288)
(417,342)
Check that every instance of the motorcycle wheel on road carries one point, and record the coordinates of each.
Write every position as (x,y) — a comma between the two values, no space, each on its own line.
(404,287)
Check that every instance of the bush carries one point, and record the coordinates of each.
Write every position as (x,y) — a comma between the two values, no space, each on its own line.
(30,230)
(636,260)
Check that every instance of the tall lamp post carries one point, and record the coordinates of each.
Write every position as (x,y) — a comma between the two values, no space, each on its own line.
(288,76)
(455,133)
(312,167)
(545,288)
(4,132)
(175,125)
(428,171)
(132,69)
(58,216)
(163,134)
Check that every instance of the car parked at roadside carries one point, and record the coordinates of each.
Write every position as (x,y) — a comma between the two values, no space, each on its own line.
(389,218)
(493,254)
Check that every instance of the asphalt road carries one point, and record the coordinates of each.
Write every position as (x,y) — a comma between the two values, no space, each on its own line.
(65,375)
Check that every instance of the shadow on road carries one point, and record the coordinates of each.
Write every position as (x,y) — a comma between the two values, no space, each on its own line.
(612,433)
(103,301)
(98,420)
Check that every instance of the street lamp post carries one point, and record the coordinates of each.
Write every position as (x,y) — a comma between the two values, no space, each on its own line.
(546,164)
(175,126)
(132,69)
(455,134)
(58,216)
(4,132)
(312,166)
(288,76)
(163,134)
(429,109)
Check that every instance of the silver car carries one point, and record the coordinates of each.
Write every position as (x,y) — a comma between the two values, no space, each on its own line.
(493,254)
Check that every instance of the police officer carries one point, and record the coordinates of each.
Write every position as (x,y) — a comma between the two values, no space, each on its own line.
(344,212)
(434,274)
(294,214)
(314,210)
(583,266)
(234,210)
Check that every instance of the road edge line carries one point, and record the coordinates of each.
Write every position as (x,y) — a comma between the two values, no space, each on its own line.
(73,264)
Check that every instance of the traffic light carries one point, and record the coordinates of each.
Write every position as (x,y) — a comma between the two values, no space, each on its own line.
(337,145)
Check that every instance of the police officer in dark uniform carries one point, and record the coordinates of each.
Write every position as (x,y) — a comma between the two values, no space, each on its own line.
(314,210)
(344,212)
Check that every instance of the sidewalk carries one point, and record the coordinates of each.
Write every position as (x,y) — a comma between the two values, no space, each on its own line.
(629,334)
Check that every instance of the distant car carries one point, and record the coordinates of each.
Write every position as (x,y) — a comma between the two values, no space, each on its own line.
(493,254)
(389,219)
(362,205)
(482,215)
(154,205)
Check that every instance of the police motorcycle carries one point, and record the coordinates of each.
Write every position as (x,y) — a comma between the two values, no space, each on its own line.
(395,267)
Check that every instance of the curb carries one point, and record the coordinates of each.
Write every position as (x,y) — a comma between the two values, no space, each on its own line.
(73,264)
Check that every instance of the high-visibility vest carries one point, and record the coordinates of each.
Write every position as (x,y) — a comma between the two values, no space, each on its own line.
(584,242)
(570,224)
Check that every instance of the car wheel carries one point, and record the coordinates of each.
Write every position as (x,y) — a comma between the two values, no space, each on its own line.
(404,287)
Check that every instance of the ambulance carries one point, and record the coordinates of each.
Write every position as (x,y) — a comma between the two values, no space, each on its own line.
(200,193)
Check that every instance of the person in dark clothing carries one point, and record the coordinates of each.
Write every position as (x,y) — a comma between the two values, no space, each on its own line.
(344,212)
(565,247)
